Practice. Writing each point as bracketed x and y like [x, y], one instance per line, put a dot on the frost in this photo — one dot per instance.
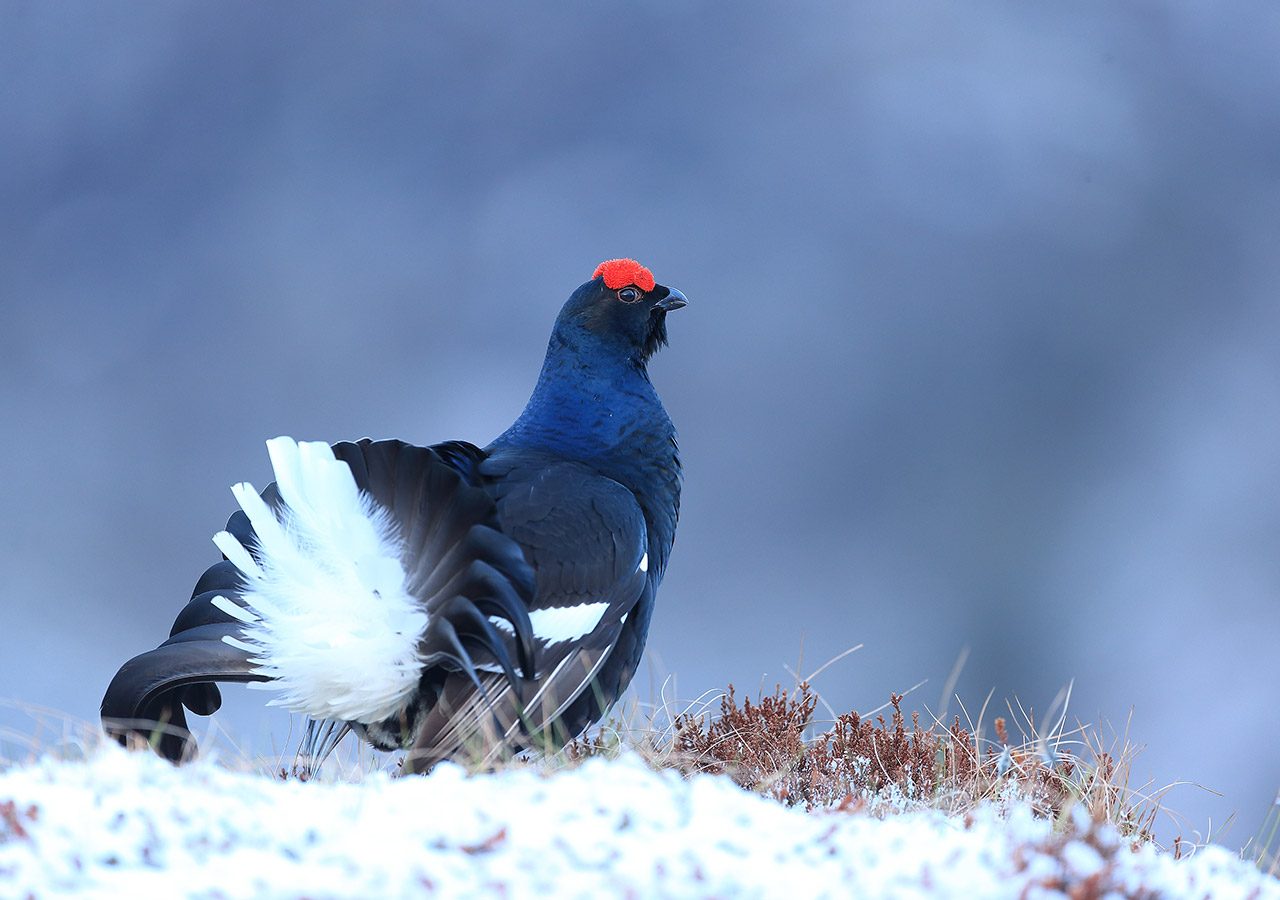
[122, 824]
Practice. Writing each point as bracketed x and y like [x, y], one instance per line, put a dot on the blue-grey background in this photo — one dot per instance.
[983, 348]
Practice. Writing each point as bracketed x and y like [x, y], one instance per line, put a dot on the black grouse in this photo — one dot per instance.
[444, 597]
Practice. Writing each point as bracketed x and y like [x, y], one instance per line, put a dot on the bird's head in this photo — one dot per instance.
[621, 311]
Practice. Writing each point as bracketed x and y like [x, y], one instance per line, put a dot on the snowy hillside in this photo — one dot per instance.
[128, 824]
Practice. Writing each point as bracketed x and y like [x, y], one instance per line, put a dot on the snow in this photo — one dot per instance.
[120, 823]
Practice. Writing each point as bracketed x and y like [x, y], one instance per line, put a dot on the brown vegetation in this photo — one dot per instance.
[878, 765]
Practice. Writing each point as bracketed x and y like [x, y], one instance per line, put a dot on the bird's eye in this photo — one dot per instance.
[629, 294]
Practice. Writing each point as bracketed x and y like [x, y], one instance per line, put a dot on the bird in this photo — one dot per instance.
[445, 599]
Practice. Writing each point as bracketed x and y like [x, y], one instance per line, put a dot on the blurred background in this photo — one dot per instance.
[983, 350]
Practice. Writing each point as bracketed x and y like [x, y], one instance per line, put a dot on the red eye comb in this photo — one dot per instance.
[618, 273]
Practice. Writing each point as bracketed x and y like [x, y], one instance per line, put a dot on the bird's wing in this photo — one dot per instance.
[585, 536]
[471, 582]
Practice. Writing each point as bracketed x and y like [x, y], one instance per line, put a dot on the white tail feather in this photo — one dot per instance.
[328, 619]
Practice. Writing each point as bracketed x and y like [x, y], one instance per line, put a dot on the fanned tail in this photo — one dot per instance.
[355, 584]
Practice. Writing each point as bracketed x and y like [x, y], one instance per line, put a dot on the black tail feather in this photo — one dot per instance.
[200, 611]
[145, 700]
[221, 576]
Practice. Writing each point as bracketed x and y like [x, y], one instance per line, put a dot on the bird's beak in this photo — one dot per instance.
[673, 300]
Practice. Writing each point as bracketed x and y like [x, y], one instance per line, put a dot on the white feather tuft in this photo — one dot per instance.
[328, 618]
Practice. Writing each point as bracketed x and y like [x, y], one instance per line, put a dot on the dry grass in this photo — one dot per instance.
[1264, 849]
[772, 745]
[876, 766]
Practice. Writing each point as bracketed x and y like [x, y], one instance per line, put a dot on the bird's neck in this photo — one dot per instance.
[603, 411]
[591, 406]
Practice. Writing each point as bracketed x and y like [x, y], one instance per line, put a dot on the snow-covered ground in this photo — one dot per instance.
[124, 824]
